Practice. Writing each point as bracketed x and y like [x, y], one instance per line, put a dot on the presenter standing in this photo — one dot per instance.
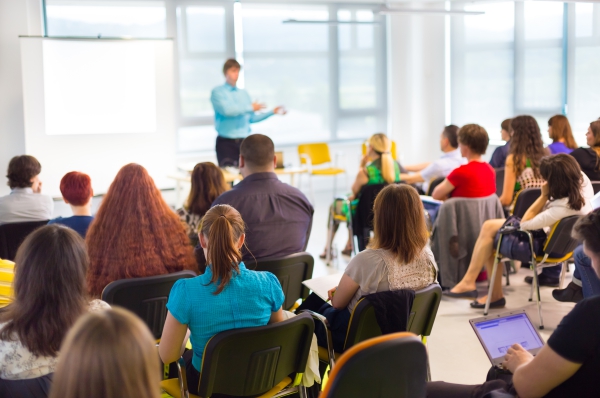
[234, 111]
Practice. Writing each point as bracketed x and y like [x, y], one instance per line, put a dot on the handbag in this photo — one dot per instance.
[515, 245]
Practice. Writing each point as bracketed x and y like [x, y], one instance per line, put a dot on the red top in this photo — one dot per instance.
[473, 180]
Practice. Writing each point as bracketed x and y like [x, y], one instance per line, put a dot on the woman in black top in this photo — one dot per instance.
[589, 158]
[569, 364]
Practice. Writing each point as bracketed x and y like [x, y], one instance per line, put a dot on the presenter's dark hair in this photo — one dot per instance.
[258, 150]
[21, 169]
[475, 137]
[231, 63]
[451, 132]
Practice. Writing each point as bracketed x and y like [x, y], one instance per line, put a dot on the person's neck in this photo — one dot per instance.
[561, 140]
[85, 210]
[245, 172]
[474, 158]
[448, 149]
[232, 84]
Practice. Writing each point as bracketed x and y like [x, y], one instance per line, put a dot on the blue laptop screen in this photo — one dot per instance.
[499, 334]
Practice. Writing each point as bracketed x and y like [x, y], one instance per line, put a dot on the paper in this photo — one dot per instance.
[320, 286]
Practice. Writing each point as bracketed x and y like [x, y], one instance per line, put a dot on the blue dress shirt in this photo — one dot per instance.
[233, 111]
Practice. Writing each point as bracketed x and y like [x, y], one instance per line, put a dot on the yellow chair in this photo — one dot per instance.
[394, 153]
[317, 154]
[6, 280]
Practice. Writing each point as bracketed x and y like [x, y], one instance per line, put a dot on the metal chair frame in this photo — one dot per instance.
[331, 226]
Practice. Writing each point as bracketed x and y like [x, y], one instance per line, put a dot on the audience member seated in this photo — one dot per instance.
[522, 168]
[585, 282]
[135, 233]
[50, 294]
[398, 257]
[376, 167]
[498, 159]
[567, 366]
[451, 159]
[476, 179]
[227, 296]
[278, 216]
[568, 192]
[76, 189]
[111, 354]
[207, 184]
[589, 158]
[25, 201]
[559, 131]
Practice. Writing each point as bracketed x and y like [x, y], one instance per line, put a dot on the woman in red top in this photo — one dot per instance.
[477, 178]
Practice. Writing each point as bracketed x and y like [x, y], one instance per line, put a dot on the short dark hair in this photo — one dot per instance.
[564, 179]
[475, 137]
[587, 229]
[231, 63]
[258, 150]
[505, 125]
[451, 132]
[21, 170]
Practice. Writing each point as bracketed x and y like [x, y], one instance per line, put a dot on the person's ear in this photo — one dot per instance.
[66, 201]
[202, 239]
[241, 241]
[275, 161]
[242, 162]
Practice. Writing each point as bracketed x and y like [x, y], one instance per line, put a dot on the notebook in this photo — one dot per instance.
[500, 331]
[320, 286]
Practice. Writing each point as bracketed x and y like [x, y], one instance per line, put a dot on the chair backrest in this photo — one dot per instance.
[13, 234]
[38, 387]
[394, 153]
[362, 221]
[363, 322]
[499, 180]
[290, 271]
[318, 153]
[250, 361]
[596, 186]
[390, 366]
[525, 199]
[146, 297]
[433, 184]
[560, 242]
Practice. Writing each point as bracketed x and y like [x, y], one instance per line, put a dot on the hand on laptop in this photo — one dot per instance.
[516, 356]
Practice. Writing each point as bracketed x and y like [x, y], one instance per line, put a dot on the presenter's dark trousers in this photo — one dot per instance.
[228, 151]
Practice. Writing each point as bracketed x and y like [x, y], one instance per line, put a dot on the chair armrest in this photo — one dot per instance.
[323, 320]
[509, 229]
[308, 161]
[182, 378]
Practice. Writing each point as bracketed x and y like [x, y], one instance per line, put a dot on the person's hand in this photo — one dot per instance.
[36, 185]
[279, 110]
[257, 106]
[330, 293]
[351, 197]
[545, 190]
[515, 357]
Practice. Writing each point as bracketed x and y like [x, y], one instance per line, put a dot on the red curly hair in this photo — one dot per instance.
[135, 233]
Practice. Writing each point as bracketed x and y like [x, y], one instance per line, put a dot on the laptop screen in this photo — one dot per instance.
[497, 335]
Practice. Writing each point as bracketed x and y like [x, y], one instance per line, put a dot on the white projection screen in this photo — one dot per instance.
[94, 105]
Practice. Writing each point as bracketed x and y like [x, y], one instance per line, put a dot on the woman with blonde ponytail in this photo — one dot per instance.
[376, 167]
[218, 300]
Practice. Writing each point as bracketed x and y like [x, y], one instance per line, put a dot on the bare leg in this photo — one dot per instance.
[497, 293]
[482, 253]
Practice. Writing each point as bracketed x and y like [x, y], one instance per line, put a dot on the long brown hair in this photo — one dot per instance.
[561, 129]
[108, 354]
[526, 144]
[564, 179]
[595, 127]
[135, 233]
[222, 225]
[207, 184]
[49, 289]
[399, 222]
[382, 145]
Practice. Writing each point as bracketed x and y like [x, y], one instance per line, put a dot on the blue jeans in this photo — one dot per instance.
[590, 283]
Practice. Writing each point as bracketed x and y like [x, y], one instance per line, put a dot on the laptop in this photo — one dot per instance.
[279, 156]
[497, 333]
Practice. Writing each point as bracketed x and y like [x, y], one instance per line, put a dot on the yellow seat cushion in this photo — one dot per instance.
[324, 356]
[330, 171]
[171, 386]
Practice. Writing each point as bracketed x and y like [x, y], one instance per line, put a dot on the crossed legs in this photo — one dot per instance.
[483, 255]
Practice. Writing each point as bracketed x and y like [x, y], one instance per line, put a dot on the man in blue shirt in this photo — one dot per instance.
[234, 111]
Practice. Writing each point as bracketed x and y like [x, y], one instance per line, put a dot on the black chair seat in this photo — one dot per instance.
[13, 234]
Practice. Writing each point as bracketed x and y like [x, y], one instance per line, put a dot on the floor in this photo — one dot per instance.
[455, 353]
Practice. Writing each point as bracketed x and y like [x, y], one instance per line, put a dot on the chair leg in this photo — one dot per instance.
[329, 237]
[532, 287]
[302, 391]
[563, 272]
[335, 185]
[536, 284]
[310, 187]
[507, 268]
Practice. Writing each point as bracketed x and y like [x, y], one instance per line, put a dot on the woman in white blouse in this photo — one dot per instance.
[398, 257]
[49, 295]
[567, 192]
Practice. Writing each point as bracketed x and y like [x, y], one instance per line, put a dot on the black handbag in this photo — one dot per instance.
[515, 245]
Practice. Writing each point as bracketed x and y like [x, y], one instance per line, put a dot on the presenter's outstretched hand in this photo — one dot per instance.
[257, 106]
[280, 110]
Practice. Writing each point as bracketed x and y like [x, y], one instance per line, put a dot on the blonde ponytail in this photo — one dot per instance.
[383, 146]
[223, 226]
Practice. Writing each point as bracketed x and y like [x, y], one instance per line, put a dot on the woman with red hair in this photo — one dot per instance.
[76, 189]
[135, 233]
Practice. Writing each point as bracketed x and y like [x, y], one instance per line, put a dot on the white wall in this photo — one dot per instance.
[17, 17]
[416, 83]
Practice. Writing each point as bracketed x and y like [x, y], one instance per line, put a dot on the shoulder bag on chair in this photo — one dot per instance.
[516, 245]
